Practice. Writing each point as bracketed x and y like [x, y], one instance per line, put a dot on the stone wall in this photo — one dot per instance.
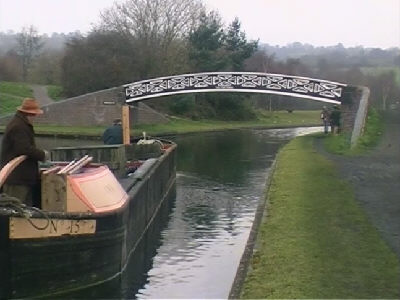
[354, 108]
[98, 108]
[349, 106]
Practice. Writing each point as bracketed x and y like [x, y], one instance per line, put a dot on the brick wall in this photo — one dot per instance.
[98, 108]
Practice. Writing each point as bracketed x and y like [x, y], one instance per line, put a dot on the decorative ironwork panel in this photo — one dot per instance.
[235, 82]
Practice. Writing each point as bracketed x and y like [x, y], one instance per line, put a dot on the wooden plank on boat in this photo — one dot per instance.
[22, 228]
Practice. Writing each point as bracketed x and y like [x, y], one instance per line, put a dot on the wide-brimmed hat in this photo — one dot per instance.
[30, 106]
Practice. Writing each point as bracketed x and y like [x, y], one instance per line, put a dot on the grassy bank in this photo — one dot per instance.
[316, 241]
[264, 119]
[178, 125]
[12, 94]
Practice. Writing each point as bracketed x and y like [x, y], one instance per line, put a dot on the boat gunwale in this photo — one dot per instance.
[39, 213]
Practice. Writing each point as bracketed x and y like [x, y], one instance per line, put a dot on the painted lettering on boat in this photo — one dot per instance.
[22, 228]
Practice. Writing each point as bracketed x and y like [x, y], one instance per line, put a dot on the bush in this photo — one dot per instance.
[182, 105]
[232, 107]
[55, 92]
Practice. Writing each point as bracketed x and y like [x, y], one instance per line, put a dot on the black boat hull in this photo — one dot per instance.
[57, 266]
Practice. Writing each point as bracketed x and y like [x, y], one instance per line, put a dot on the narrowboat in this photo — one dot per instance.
[96, 204]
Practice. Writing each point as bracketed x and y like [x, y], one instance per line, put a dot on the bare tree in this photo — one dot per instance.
[156, 28]
[384, 88]
[46, 69]
[163, 20]
[29, 45]
[10, 66]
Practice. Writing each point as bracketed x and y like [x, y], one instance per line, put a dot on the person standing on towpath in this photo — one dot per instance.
[325, 116]
[335, 119]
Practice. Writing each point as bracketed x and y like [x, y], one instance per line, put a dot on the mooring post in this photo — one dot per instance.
[126, 136]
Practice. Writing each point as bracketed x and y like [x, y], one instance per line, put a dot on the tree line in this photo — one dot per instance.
[141, 39]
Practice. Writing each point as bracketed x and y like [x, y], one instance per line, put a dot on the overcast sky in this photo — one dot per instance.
[369, 23]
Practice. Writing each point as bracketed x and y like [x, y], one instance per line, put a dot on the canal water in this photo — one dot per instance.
[196, 251]
[220, 181]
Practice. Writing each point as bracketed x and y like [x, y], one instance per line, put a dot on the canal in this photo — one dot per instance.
[195, 250]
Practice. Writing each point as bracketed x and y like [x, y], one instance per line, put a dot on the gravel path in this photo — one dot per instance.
[376, 180]
[40, 94]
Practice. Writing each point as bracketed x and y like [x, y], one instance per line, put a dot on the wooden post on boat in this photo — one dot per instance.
[125, 125]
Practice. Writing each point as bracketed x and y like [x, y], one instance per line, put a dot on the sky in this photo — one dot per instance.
[368, 23]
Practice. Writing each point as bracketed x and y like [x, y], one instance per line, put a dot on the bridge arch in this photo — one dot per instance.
[354, 100]
[247, 82]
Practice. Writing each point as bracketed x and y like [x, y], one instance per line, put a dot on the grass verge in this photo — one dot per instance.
[316, 241]
[16, 89]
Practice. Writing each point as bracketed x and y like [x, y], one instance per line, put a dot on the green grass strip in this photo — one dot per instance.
[267, 119]
[11, 95]
[16, 89]
[315, 241]
[180, 125]
[9, 103]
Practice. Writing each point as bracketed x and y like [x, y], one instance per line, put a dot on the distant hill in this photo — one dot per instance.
[55, 41]
[336, 55]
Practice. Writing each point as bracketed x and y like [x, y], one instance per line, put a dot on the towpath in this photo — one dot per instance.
[41, 95]
[375, 178]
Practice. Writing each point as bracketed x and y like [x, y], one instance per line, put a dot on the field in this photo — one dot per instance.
[11, 95]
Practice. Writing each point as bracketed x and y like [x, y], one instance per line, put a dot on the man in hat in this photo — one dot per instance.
[19, 140]
[113, 134]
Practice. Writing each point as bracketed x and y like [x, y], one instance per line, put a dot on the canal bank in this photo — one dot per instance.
[178, 126]
[331, 224]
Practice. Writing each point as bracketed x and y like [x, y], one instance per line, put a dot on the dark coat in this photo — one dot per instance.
[113, 135]
[335, 117]
[19, 140]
